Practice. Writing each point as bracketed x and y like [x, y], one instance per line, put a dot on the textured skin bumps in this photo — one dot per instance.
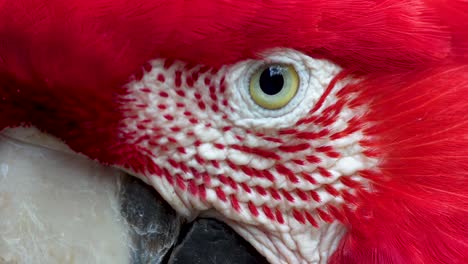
[284, 175]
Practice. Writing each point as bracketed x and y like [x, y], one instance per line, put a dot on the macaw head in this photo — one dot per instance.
[323, 131]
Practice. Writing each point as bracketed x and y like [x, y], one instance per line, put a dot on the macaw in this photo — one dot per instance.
[320, 131]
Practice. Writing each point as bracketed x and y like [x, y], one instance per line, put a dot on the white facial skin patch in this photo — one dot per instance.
[281, 178]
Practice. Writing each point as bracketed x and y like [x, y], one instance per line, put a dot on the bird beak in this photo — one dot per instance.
[56, 201]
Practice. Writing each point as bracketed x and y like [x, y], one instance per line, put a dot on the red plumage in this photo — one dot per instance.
[98, 44]
[63, 62]
[417, 212]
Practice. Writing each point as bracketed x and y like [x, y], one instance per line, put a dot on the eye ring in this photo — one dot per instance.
[243, 110]
[273, 86]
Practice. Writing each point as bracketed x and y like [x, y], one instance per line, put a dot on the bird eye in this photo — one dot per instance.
[274, 86]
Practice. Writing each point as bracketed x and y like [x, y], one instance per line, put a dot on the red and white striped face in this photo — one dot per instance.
[280, 171]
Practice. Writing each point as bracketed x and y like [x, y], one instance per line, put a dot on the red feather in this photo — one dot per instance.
[417, 211]
[89, 48]
[62, 64]
[96, 44]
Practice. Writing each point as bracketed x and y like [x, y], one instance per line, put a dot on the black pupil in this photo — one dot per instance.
[271, 80]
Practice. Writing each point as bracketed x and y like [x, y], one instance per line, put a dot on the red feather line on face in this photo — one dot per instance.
[417, 126]
[417, 212]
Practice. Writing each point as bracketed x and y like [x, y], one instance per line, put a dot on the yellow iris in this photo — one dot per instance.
[274, 86]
